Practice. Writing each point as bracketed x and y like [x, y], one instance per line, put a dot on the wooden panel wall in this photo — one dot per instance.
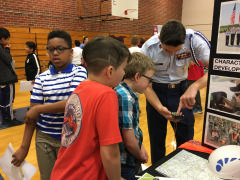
[19, 36]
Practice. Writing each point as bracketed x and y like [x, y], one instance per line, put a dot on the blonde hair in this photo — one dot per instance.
[139, 63]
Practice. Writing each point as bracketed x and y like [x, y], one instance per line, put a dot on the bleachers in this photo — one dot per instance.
[21, 35]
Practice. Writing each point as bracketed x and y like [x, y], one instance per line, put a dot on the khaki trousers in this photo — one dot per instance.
[47, 149]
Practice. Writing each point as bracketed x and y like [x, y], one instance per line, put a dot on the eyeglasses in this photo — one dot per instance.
[58, 49]
[237, 94]
[150, 79]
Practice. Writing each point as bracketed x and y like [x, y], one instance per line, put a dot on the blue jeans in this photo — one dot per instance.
[157, 124]
[127, 173]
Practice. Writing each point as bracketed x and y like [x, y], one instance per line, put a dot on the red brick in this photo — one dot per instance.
[64, 15]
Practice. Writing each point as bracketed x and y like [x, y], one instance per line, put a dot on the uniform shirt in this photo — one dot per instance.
[233, 30]
[227, 33]
[238, 30]
[134, 49]
[53, 86]
[128, 119]
[173, 69]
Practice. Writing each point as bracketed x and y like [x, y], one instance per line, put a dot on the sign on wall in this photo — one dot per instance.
[222, 112]
[156, 29]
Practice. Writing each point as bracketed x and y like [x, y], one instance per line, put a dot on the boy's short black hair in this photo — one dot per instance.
[103, 51]
[173, 33]
[77, 43]
[142, 40]
[31, 45]
[61, 34]
[135, 40]
[4, 33]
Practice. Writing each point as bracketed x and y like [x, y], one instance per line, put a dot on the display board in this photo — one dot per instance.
[222, 111]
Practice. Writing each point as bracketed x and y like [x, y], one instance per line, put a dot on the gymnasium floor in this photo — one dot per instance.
[15, 134]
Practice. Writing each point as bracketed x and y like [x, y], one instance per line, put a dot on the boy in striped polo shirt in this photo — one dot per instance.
[54, 85]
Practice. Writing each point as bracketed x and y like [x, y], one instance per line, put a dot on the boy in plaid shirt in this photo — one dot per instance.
[138, 77]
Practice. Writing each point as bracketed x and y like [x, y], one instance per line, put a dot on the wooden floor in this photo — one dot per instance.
[14, 134]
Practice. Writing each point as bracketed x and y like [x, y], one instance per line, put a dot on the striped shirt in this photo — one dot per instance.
[128, 119]
[53, 86]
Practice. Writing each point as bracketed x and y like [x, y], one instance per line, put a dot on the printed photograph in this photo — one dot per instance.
[224, 94]
[229, 28]
[221, 131]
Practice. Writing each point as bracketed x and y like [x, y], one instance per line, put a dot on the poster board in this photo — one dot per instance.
[222, 111]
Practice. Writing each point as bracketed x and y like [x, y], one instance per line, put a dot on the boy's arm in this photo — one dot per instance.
[131, 144]
[5, 55]
[36, 109]
[187, 100]
[30, 122]
[22, 152]
[111, 161]
[143, 150]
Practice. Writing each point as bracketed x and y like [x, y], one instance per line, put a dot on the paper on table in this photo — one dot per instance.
[26, 86]
[147, 176]
[13, 172]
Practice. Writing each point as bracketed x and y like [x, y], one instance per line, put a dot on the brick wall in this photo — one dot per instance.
[64, 14]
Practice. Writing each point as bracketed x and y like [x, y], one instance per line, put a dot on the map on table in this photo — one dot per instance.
[185, 165]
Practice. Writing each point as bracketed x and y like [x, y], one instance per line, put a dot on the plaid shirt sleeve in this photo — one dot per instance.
[125, 110]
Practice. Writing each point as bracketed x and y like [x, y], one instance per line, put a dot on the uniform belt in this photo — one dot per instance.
[171, 85]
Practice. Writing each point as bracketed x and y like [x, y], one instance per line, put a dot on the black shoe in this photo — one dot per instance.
[5, 121]
[15, 122]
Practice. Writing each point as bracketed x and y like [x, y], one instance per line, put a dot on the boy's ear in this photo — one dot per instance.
[71, 53]
[137, 76]
[71, 50]
[109, 71]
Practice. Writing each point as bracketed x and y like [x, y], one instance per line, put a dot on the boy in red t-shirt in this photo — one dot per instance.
[90, 134]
